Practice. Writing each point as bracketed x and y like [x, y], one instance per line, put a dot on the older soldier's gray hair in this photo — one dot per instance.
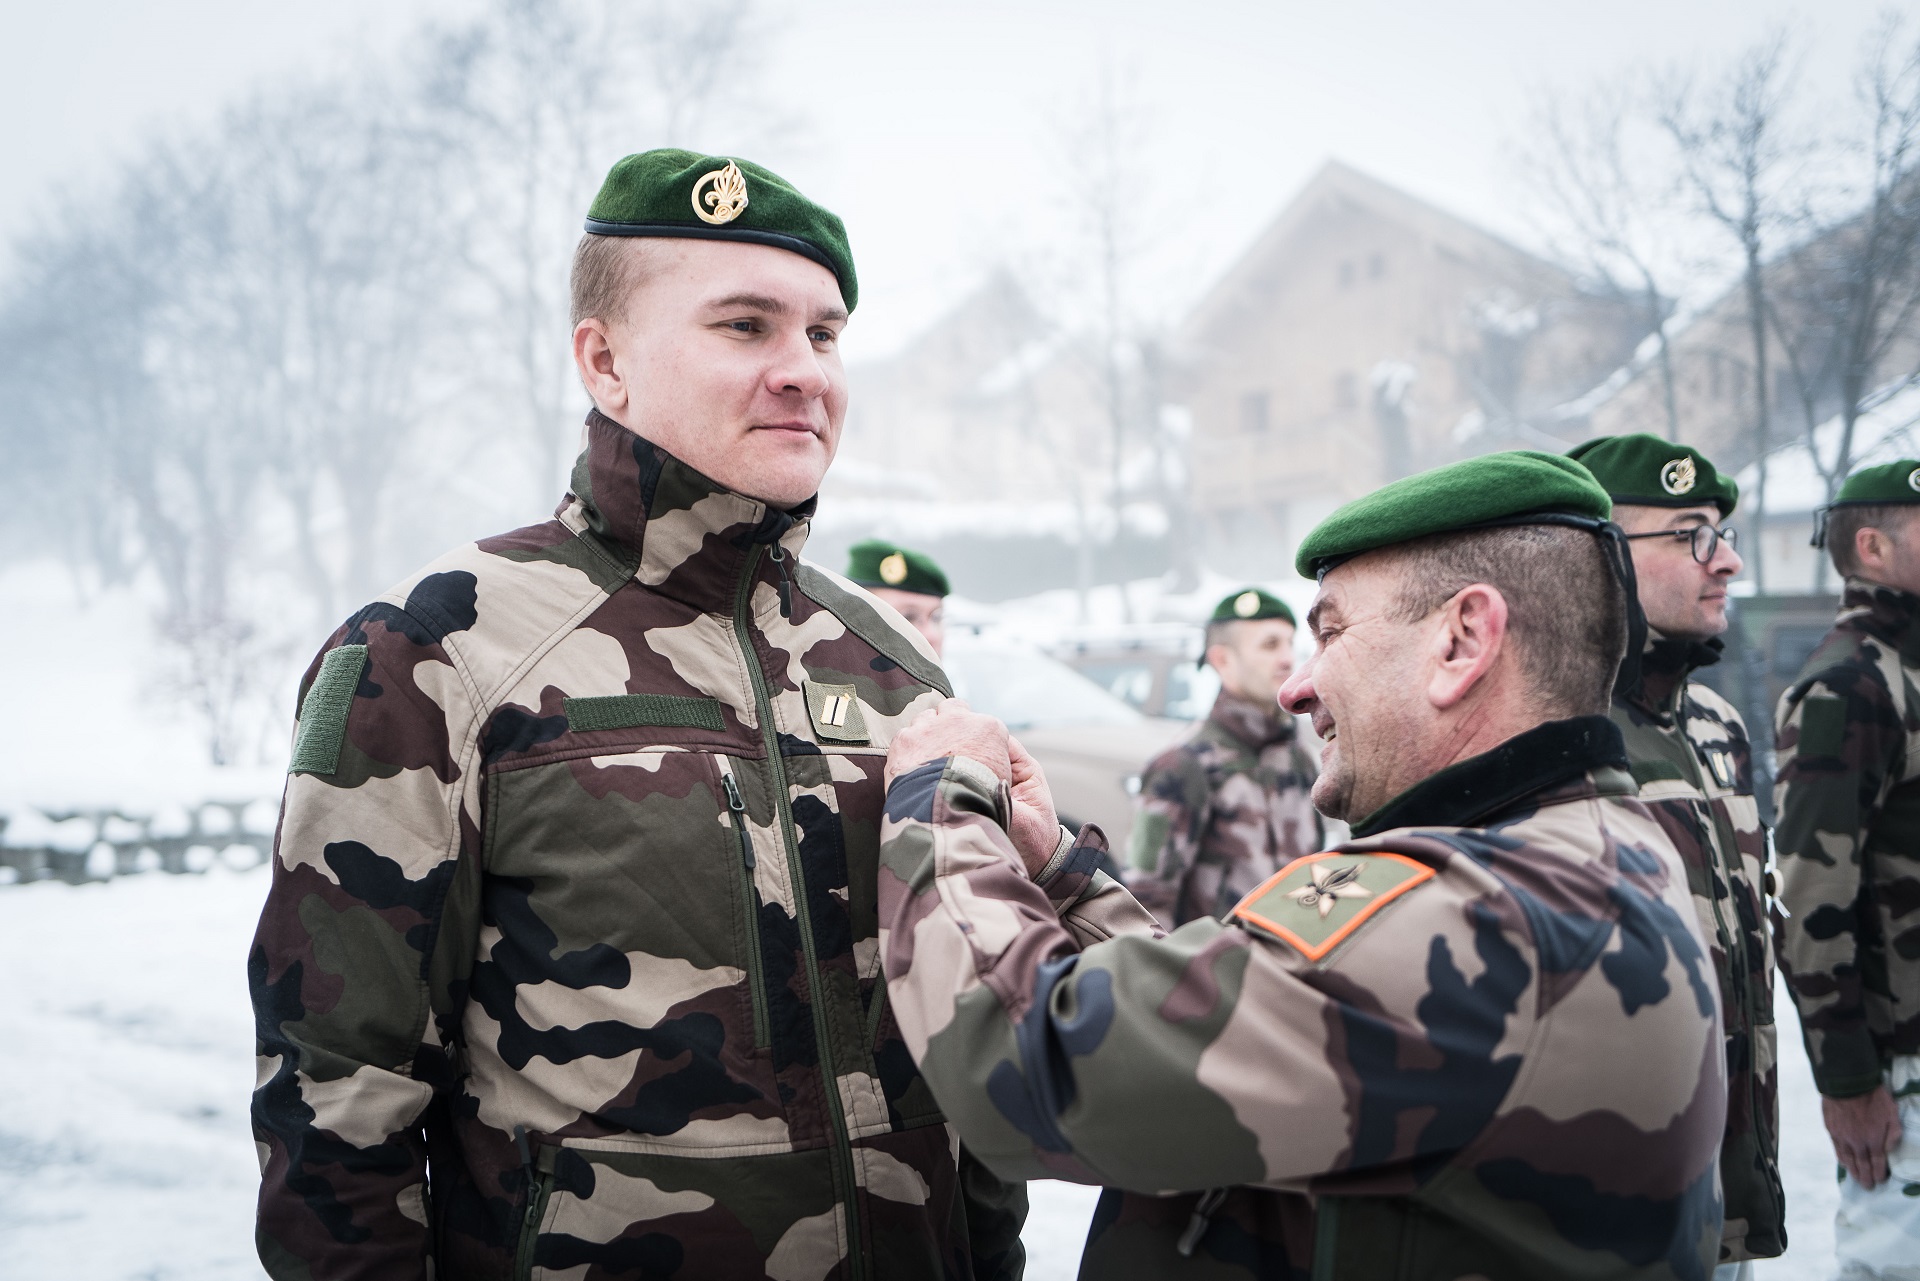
[1566, 611]
[1895, 520]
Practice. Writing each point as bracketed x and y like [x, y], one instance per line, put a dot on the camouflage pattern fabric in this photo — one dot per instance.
[1847, 797]
[573, 904]
[1689, 753]
[1401, 1058]
[1221, 811]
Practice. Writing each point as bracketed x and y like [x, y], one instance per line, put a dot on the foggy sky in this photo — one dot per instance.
[933, 127]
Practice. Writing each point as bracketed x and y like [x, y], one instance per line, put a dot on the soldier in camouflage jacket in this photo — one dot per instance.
[1227, 807]
[1400, 1058]
[1690, 756]
[573, 898]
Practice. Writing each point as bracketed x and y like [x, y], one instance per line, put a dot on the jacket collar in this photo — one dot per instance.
[678, 532]
[1885, 613]
[1664, 668]
[1257, 725]
[1524, 768]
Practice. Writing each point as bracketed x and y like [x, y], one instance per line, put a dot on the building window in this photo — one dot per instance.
[1346, 392]
[1376, 266]
[1253, 412]
[1346, 273]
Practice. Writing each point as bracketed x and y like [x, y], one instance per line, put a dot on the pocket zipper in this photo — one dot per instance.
[762, 1034]
[539, 1187]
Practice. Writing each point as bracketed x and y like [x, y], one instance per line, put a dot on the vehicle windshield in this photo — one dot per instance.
[1025, 688]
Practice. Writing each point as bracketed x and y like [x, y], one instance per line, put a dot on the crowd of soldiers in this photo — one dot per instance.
[645, 906]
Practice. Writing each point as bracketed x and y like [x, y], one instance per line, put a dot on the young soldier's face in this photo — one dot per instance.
[728, 359]
[1254, 658]
[1360, 688]
[928, 614]
[1680, 596]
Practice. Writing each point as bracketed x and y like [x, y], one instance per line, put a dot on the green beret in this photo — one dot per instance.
[1250, 604]
[1646, 471]
[875, 562]
[1494, 489]
[684, 194]
[1896, 482]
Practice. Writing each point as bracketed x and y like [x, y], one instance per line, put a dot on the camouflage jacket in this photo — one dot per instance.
[1689, 753]
[1221, 811]
[1401, 1058]
[573, 908]
[1847, 798]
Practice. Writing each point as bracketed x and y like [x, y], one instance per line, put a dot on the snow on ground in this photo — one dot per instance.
[128, 1058]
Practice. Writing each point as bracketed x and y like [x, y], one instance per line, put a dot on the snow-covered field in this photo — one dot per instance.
[126, 1059]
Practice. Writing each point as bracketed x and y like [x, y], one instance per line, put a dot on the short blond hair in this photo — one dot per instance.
[606, 272]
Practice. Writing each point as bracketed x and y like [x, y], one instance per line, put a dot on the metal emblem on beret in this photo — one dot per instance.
[1913, 480]
[1329, 886]
[727, 199]
[893, 570]
[1246, 604]
[1679, 476]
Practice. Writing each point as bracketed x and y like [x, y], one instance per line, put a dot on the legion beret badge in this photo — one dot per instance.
[893, 570]
[1247, 604]
[727, 199]
[1913, 480]
[1678, 477]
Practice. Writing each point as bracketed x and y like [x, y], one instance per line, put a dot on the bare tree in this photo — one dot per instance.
[1607, 211]
[1736, 152]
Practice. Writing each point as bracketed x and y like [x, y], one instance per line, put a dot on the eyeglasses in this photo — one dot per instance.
[1703, 540]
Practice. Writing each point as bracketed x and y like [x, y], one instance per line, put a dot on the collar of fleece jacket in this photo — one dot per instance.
[680, 532]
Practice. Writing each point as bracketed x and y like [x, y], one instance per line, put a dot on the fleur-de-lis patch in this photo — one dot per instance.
[728, 198]
[1328, 886]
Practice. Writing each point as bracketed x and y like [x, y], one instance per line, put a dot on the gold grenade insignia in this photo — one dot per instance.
[1678, 476]
[1913, 480]
[893, 570]
[1246, 604]
[727, 199]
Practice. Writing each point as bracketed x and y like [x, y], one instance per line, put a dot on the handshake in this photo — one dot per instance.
[954, 729]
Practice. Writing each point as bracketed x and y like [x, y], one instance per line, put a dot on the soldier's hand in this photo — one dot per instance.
[1864, 1129]
[950, 729]
[1034, 826]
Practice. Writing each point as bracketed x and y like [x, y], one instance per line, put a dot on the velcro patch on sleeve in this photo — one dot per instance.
[635, 711]
[1317, 902]
[1823, 726]
[836, 713]
[323, 713]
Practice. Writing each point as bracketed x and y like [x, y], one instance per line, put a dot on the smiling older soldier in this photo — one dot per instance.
[572, 906]
[1689, 753]
[1404, 1057]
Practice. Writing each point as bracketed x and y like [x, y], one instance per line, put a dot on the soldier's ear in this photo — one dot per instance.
[1467, 643]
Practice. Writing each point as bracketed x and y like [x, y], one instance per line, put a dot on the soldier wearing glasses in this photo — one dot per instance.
[1690, 755]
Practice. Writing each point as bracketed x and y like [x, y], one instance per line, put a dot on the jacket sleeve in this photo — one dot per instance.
[374, 828]
[1166, 833]
[1199, 1059]
[1839, 737]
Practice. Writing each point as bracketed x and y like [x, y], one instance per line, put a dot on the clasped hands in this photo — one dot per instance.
[954, 729]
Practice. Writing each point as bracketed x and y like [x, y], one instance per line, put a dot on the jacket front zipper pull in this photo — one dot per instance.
[785, 585]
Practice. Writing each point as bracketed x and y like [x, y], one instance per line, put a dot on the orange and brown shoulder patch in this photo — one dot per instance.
[1316, 902]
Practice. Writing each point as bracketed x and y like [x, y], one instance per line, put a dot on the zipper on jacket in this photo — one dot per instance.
[1723, 851]
[756, 981]
[539, 1188]
[838, 1143]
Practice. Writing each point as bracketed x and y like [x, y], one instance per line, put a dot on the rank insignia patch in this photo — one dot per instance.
[836, 713]
[1315, 903]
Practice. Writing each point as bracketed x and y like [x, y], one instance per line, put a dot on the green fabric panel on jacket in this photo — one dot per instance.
[1650, 771]
[1149, 836]
[1823, 726]
[323, 713]
[836, 713]
[633, 711]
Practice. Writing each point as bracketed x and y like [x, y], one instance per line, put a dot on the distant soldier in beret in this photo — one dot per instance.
[909, 581]
[572, 912]
[1691, 757]
[1481, 1039]
[1847, 801]
[1228, 806]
